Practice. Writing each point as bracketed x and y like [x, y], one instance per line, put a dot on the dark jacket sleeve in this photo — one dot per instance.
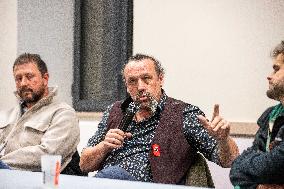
[258, 167]
[255, 166]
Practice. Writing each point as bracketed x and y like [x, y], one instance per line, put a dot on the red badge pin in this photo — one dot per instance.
[156, 150]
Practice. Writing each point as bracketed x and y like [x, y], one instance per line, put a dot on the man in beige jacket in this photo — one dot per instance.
[39, 124]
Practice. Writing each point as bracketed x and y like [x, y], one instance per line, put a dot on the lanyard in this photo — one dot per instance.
[277, 110]
[274, 114]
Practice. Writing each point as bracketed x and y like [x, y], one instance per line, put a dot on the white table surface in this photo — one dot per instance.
[14, 179]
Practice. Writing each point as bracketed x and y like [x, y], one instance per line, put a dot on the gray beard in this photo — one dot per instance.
[151, 106]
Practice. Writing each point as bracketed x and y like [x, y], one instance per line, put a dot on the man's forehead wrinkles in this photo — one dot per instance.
[138, 75]
[137, 70]
[23, 72]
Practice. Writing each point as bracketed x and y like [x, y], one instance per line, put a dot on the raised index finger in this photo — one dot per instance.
[216, 111]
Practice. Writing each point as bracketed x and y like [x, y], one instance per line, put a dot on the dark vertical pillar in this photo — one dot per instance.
[103, 43]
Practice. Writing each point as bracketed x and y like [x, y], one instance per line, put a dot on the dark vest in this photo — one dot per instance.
[176, 155]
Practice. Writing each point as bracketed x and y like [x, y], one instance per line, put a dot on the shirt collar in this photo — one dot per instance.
[162, 101]
[23, 107]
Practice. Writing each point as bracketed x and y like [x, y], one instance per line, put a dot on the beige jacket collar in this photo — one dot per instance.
[52, 93]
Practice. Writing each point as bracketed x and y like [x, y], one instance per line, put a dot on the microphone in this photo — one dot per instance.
[128, 116]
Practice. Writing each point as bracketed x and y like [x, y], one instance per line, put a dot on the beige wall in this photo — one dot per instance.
[46, 27]
[214, 51]
[8, 50]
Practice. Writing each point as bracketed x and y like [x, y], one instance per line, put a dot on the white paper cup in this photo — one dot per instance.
[50, 166]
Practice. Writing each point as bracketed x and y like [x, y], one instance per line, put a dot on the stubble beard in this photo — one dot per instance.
[35, 95]
[276, 92]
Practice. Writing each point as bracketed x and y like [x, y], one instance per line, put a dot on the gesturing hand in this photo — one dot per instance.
[218, 127]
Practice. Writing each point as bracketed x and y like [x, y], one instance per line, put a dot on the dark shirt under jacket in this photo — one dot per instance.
[256, 166]
[134, 155]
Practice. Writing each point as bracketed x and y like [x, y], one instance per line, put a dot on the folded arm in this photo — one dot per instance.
[257, 167]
